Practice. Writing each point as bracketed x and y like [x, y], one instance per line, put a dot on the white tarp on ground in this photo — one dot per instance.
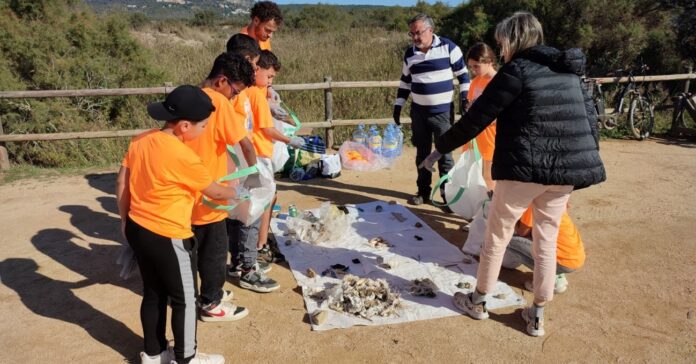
[432, 257]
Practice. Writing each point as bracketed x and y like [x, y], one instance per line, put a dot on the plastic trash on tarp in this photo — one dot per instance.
[329, 224]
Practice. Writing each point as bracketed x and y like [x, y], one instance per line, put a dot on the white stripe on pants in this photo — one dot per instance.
[510, 200]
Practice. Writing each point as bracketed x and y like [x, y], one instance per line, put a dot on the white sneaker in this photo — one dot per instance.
[201, 358]
[560, 286]
[224, 311]
[464, 303]
[561, 283]
[164, 357]
[535, 325]
[227, 296]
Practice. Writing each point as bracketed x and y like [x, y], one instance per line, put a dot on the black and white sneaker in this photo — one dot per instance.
[257, 281]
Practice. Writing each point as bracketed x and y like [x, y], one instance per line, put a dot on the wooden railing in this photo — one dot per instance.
[328, 123]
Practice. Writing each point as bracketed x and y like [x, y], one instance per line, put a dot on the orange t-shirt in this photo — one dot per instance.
[165, 176]
[570, 251]
[225, 126]
[264, 45]
[486, 139]
[263, 119]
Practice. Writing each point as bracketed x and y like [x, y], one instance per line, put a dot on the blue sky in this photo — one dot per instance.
[365, 2]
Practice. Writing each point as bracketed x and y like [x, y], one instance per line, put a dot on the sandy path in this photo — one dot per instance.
[61, 299]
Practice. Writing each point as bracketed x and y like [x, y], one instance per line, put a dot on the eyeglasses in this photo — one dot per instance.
[418, 33]
[235, 90]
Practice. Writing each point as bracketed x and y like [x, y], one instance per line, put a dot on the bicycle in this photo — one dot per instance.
[684, 101]
[641, 111]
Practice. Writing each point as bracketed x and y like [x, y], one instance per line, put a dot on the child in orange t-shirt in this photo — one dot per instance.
[570, 252]
[229, 75]
[480, 60]
[155, 191]
[264, 134]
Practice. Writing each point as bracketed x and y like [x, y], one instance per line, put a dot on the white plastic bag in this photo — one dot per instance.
[477, 231]
[465, 188]
[280, 156]
[358, 157]
[331, 165]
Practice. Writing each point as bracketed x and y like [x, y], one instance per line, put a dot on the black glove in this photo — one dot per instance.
[463, 103]
[397, 115]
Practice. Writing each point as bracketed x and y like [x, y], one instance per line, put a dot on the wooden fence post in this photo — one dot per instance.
[4, 157]
[328, 112]
[688, 81]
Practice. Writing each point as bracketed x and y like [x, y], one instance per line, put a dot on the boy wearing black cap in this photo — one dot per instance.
[155, 191]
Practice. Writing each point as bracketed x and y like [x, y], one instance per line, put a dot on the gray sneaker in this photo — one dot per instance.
[257, 281]
[464, 302]
[236, 272]
[535, 324]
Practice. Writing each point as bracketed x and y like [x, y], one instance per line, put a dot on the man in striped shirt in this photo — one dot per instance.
[429, 68]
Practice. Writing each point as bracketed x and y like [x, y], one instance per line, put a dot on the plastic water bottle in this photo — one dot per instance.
[375, 141]
[390, 144]
[359, 135]
[400, 137]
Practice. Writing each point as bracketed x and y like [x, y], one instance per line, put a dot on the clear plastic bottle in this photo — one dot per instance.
[400, 137]
[375, 141]
[359, 135]
[390, 143]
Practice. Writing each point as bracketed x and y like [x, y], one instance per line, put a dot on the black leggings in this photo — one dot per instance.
[168, 268]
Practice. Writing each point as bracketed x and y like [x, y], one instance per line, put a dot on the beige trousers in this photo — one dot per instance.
[510, 200]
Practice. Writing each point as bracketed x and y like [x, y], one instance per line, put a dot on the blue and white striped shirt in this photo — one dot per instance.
[428, 76]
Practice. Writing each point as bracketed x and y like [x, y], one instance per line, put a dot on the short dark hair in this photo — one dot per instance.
[268, 60]
[481, 52]
[243, 45]
[235, 67]
[267, 10]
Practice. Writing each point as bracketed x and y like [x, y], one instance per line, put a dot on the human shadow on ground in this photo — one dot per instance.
[105, 182]
[55, 299]
[95, 224]
[96, 262]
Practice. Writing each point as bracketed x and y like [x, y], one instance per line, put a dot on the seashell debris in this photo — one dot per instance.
[363, 297]
[379, 243]
[423, 287]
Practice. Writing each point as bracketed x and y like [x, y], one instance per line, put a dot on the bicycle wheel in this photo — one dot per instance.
[640, 118]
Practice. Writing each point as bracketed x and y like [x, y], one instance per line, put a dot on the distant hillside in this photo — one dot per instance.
[168, 9]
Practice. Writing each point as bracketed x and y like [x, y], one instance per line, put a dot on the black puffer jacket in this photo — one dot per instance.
[547, 128]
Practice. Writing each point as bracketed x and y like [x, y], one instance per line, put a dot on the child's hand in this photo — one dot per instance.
[297, 142]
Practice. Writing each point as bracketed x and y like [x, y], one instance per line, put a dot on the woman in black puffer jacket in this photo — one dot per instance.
[546, 145]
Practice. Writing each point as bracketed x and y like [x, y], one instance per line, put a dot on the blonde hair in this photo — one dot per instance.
[518, 32]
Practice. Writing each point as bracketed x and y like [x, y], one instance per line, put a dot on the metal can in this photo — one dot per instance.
[292, 211]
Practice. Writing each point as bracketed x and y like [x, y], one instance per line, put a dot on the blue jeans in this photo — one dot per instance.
[424, 126]
[519, 252]
[242, 243]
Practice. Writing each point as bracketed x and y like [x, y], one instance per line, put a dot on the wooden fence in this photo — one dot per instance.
[328, 123]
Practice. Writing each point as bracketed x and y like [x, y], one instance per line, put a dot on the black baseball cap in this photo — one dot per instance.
[185, 102]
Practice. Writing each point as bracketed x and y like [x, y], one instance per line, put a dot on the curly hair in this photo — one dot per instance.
[233, 66]
[267, 10]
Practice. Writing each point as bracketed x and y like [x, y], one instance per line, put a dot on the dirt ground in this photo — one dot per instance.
[61, 299]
